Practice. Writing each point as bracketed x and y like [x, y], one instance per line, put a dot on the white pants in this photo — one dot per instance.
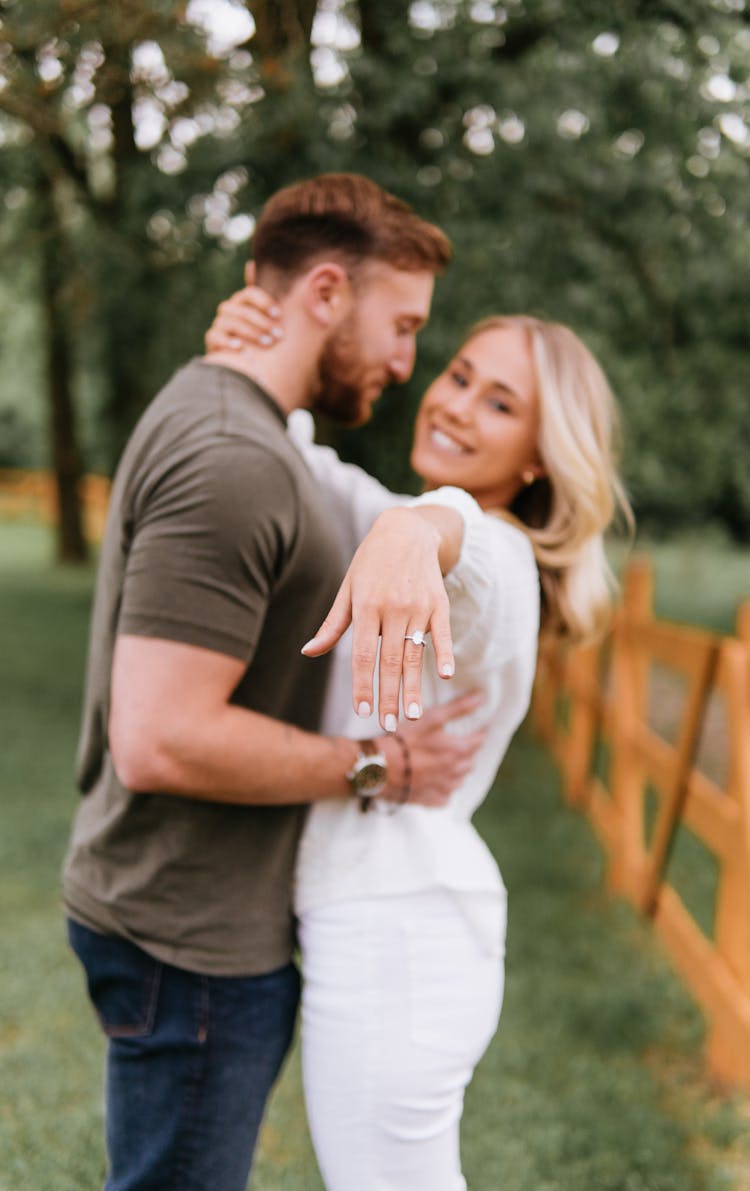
[400, 1000]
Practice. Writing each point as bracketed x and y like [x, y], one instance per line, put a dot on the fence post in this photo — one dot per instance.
[582, 675]
[729, 1035]
[544, 699]
[630, 700]
[733, 909]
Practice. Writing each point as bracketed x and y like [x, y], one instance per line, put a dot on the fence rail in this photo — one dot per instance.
[32, 495]
[649, 762]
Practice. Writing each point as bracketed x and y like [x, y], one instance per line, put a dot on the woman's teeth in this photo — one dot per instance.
[446, 443]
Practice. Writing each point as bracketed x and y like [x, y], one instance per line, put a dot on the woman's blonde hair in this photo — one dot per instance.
[566, 512]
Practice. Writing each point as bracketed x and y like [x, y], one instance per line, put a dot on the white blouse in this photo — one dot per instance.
[494, 602]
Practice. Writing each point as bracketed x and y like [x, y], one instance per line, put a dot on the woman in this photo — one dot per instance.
[402, 915]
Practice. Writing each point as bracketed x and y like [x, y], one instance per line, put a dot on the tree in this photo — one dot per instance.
[589, 166]
[80, 81]
[592, 168]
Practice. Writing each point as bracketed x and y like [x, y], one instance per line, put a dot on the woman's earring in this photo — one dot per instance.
[528, 476]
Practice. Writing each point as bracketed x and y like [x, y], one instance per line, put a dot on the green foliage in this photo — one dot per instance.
[591, 166]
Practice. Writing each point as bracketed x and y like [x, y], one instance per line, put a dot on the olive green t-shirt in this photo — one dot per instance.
[216, 537]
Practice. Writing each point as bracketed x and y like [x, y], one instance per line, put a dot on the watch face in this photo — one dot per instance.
[370, 778]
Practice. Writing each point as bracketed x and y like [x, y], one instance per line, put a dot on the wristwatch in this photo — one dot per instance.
[368, 775]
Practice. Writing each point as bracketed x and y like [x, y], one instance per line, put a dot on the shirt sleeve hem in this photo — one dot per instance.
[186, 633]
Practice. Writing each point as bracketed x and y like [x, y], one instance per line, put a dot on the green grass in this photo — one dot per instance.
[594, 1082]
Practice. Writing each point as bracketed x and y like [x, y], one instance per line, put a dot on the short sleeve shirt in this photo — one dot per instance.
[218, 537]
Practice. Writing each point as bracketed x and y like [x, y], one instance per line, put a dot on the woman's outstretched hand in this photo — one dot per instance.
[394, 591]
[439, 760]
[248, 317]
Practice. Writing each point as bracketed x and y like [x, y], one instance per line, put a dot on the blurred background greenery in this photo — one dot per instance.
[590, 162]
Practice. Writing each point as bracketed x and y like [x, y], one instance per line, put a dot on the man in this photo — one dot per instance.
[198, 739]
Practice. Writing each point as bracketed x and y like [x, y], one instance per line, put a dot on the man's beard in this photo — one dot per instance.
[342, 372]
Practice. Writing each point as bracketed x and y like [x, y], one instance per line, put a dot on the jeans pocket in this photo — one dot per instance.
[123, 981]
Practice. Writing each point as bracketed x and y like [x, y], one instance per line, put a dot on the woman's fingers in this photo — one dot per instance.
[238, 329]
[462, 705]
[395, 595]
[442, 641]
[413, 655]
[440, 762]
[250, 316]
[405, 625]
[415, 643]
[256, 296]
[258, 308]
[335, 624]
[365, 634]
[395, 664]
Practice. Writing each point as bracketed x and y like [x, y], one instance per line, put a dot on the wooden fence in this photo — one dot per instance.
[652, 735]
[32, 495]
[648, 761]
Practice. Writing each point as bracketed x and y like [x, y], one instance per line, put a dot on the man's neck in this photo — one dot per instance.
[284, 376]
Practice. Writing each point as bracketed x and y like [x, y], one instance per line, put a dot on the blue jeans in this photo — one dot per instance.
[191, 1061]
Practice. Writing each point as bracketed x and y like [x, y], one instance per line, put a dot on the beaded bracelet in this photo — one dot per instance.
[406, 784]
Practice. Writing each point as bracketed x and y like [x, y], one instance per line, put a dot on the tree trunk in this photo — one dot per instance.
[124, 318]
[282, 26]
[121, 253]
[376, 18]
[66, 456]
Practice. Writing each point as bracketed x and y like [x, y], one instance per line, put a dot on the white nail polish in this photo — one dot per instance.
[414, 711]
[265, 340]
[447, 669]
[277, 332]
[364, 710]
[390, 723]
[309, 645]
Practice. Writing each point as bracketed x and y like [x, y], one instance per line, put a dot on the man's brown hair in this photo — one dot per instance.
[345, 217]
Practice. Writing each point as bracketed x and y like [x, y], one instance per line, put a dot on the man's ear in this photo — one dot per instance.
[327, 293]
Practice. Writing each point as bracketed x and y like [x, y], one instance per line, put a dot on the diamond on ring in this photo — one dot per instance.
[417, 637]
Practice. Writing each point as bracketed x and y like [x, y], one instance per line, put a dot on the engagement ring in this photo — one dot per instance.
[418, 637]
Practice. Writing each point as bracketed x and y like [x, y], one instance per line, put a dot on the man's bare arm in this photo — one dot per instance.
[174, 730]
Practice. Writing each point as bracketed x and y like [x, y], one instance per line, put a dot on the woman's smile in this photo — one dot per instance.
[446, 442]
[478, 424]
